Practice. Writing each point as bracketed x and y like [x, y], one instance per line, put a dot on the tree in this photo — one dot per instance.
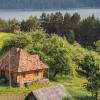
[52, 50]
[57, 55]
[13, 25]
[71, 36]
[3, 25]
[52, 23]
[45, 19]
[58, 22]
[23, 26]
[31, 24]
[97, 46]
[88, 31]
[75, 20]
[66, 23]
[91, 68]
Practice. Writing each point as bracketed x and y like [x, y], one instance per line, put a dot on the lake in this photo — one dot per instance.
[20, 15]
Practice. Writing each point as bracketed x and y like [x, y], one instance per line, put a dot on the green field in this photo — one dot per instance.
[73, 85]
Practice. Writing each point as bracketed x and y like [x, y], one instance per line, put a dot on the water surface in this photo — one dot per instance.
[20, 15]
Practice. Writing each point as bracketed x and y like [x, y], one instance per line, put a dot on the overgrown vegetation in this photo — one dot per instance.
[84, 31]
[56, 40]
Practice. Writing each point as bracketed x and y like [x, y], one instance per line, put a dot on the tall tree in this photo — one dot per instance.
[66, 23]
[91, 68]
[13, 25]
[31, 24]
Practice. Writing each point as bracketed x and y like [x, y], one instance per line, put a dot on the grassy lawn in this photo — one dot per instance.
[73, 85]
[4, 89]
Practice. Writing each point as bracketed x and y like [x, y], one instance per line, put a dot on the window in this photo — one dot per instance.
[0, 63]
[23, 75]
[2, 74]
[36, 73]
[12, 76]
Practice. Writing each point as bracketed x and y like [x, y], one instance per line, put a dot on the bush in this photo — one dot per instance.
[17, 41]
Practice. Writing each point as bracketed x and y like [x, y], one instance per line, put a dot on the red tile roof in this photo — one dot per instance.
[20, 61]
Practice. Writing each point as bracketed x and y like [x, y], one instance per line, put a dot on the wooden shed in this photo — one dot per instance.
[19, 67]
[50, 93]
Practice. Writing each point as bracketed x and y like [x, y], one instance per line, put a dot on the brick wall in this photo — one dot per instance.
[29, 76]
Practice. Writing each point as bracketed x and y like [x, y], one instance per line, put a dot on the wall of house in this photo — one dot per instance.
[13, 76]
[14, 60]
[29, 76]
[6, 76]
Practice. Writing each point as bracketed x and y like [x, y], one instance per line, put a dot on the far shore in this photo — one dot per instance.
[81, 8]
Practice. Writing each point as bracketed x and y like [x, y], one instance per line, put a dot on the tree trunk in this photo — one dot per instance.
[55, 74]
[92, 95]
[96, 96]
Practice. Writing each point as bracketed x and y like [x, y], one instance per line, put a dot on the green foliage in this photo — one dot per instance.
[88, 31]
[3, 25]
[54, 50]
[64, 26]
[57, 52]
[74, 21]
[71, 36]
[91, 68]
[18, 41]
[63, 58]
[31, 24]
[67, 98]
[3, 37]
[85, 31]
[97, 46]
[13, 26]
[52, 23]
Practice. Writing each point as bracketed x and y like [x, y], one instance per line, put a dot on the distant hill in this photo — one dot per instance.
[47, 4]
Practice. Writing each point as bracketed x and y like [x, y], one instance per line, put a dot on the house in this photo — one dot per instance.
[49, 93]
[19, 67]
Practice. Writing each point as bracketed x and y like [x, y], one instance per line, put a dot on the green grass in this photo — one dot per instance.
[5, 89]
[73, 85]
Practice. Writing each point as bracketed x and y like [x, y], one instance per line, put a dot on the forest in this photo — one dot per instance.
[68, 44]
[48, 4]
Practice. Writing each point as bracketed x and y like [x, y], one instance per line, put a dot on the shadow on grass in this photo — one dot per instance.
[84, 98]
[4, 85]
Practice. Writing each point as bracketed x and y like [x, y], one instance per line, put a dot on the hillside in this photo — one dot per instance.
[47, 4]
[71, 84]
[74, 83]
